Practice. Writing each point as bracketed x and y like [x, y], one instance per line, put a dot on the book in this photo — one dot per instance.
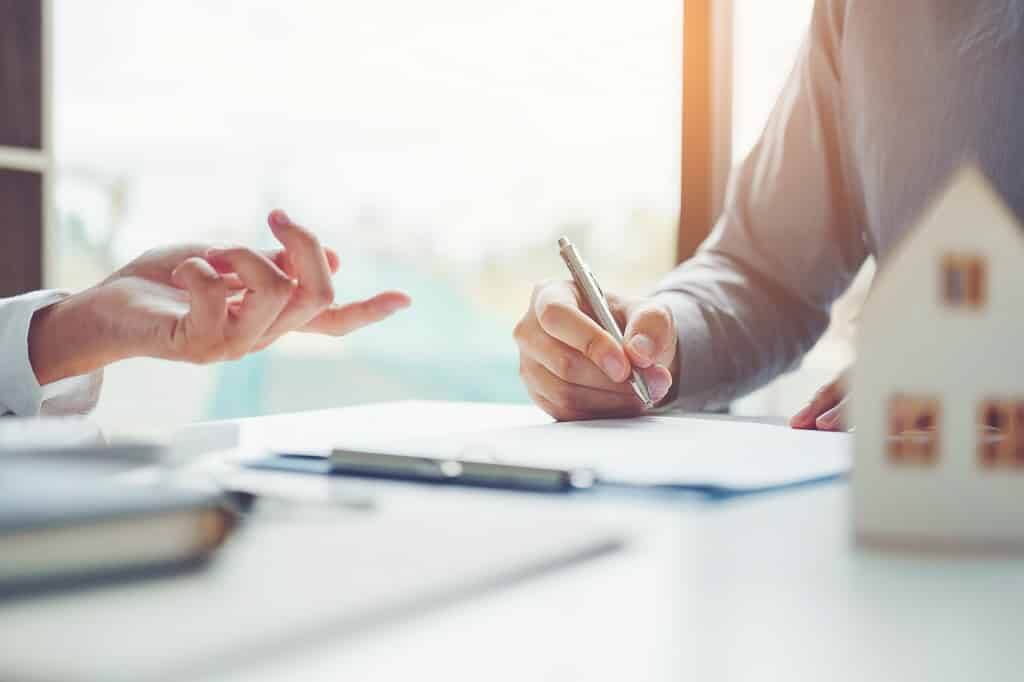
[69, 527]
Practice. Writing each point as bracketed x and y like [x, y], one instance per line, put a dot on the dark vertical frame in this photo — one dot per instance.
[22, 142]
[21, 213]
[21, 74]
[707, 119]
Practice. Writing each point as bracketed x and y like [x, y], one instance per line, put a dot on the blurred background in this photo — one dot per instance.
[440, 147]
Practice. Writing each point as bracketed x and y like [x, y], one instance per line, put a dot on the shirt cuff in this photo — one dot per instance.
[699, 384]
[20, 392]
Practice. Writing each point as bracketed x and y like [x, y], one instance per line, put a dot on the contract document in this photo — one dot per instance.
[714, 455]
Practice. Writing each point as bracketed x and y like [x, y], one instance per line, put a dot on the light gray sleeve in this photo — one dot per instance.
[757, 295]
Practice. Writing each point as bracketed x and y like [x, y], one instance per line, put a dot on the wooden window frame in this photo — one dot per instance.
[972, 272]
[1001, 446]
[913, 430]
[25, 30]
[706, 153]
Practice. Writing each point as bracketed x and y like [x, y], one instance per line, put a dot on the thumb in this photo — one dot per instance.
[650, 334]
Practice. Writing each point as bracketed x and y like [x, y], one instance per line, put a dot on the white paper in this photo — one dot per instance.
[668, 451]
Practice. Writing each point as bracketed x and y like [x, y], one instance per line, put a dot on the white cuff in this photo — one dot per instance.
[20, 392]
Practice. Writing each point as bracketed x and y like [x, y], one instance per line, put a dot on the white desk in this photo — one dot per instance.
[763, 587]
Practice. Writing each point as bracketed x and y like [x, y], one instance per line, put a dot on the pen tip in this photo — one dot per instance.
[563, 242]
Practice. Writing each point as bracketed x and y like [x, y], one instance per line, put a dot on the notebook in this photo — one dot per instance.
[63, 525]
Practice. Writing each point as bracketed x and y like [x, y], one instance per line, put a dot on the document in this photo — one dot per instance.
[715, 455]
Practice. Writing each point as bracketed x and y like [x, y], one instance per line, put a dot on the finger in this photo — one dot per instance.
[650, 335]
[281, 260]
[306, 262]
[561, 360]
[659, 381]
[207, 300]
[344, 319]
[268, 291]
[824, 400]
[833, 419]
[284, 261]
[305, 255]
[558, 311]
[577, 402]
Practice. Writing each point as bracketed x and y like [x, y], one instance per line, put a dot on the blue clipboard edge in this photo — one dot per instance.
[319, 465]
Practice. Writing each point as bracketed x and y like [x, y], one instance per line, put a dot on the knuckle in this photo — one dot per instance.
[200, 271]
[207, 278]
[595, 348]
[661, 316]
[653, 317]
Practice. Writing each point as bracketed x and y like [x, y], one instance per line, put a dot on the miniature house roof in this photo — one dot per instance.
[968, 218]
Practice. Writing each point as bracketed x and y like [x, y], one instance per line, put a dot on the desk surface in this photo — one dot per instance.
[762, 587]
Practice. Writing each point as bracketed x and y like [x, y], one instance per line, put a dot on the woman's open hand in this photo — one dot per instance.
[199, 303]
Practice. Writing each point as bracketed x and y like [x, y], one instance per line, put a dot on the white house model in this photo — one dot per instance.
[938, 388]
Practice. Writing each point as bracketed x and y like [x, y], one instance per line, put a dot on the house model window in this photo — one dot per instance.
[1001, 434]
[913, 433]
[964, 280]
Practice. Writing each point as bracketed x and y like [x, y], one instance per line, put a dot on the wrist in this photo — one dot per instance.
[65, 340]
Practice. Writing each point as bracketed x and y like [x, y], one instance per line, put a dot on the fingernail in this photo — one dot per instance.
[393, 306]
[659, 386]
[643, 346]
[280, 218]
[803, 413]
[613, 367]
[829, 419]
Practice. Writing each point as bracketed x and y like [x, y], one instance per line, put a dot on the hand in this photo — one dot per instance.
[201, 304]
[574, 369]
[825, 411]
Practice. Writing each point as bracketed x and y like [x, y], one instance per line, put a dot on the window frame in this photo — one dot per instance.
[706, 153]
[907, 443]
[1001, 450]
[970, 272]
[25, 26]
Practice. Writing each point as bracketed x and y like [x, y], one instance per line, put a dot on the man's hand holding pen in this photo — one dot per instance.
[574, 369]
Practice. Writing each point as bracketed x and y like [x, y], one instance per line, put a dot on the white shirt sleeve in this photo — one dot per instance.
[20, 392]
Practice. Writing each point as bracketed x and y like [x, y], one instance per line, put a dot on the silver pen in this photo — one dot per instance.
[591, 290]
